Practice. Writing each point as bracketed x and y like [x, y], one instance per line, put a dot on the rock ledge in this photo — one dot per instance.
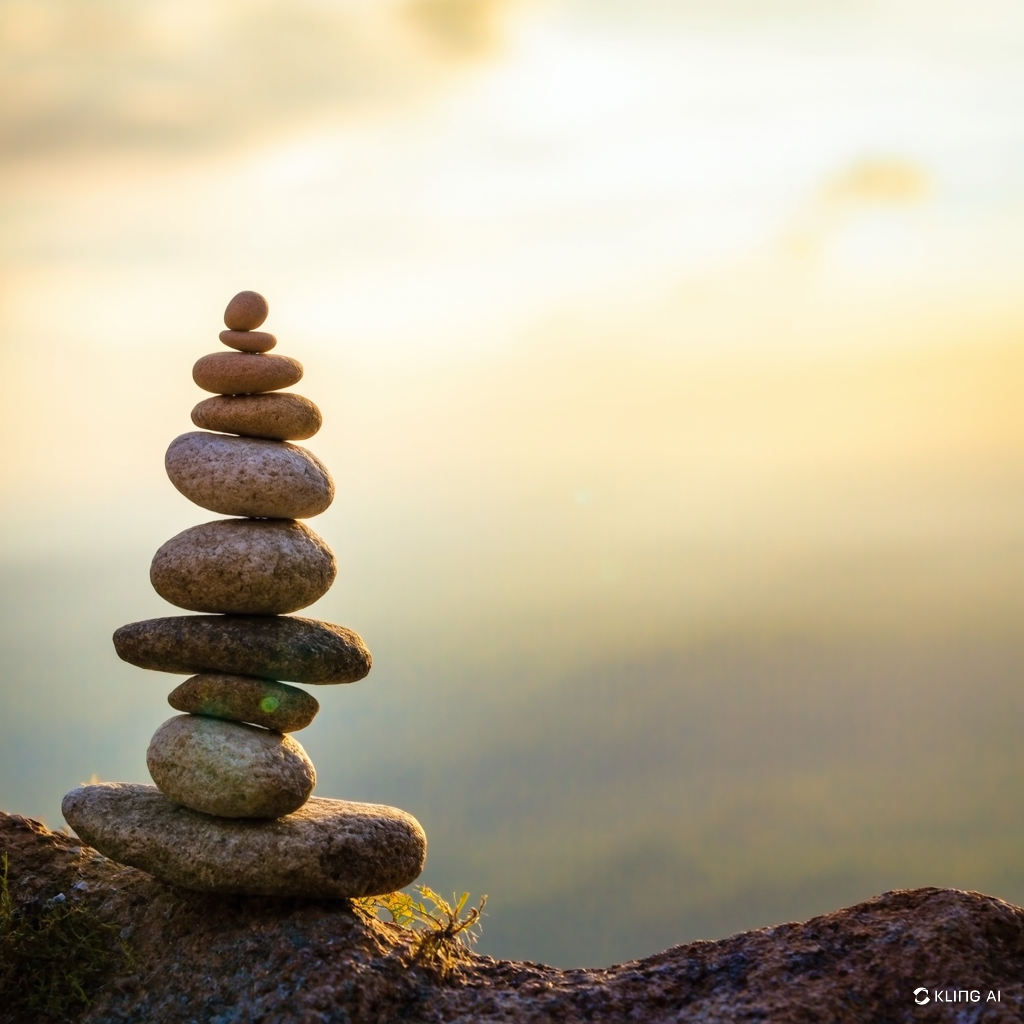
[297, 961]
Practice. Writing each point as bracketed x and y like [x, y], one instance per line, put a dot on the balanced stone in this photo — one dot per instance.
[265, 702]
[248, 476]
[245, 373]
[246, 311]
[248, 341]
[268, 646]
[247, 566]
[326, 849]
[229, 769]
[278, 417]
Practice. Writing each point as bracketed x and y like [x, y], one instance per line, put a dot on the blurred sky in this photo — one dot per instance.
[598, 297]
[435, 180]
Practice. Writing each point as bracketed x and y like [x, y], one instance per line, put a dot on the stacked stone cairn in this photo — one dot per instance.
[232, 809]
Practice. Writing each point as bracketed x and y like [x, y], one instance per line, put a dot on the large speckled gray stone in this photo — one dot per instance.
[325, 849]
[248, 476]
[229, 769]
[263, 702]
[268, 646]
[245, 566]
[245, 373]
[277, 417]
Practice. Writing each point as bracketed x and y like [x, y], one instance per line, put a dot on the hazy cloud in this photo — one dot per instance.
[869, 182]
[95, 74]
[877, 181]
[459, 27]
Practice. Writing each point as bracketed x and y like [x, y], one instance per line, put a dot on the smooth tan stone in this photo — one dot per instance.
[248, 341]
[326, 849]
[248, 476]
[245, 373]
[277, 417]
[228, 768]
[263, 702]
[244, 566]
[268, 646]
[246, 311]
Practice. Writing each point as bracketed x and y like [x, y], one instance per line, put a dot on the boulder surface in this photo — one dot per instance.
[199, 956]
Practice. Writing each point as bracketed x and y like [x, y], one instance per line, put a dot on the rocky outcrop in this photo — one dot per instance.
[220, 959]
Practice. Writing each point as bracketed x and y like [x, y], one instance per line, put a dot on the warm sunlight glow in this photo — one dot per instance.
[671, 357]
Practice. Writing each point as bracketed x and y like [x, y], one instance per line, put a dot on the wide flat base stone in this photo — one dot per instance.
[326, 849]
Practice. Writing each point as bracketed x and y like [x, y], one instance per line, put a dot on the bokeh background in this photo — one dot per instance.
[670, 354]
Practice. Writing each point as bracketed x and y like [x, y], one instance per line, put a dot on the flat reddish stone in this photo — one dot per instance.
[245, 373]
[248, 341]
[275, 416]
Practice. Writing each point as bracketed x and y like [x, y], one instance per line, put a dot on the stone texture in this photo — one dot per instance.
[228, 768]
[248, 341]
[247, 476]
[326, 849]
[271, 647]
[277, 417]
[245, 373]
[263, 702]
[207, 957]
[246, 566]
[246, 311]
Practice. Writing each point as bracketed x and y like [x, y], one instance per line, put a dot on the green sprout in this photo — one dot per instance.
[443, 936]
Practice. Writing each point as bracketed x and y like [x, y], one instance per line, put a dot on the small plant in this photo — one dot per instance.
[443, 934]
[52, 954]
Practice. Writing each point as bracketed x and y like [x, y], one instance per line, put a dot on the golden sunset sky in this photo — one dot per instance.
[583, 201]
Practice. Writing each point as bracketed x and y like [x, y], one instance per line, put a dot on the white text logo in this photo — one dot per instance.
[956, 995]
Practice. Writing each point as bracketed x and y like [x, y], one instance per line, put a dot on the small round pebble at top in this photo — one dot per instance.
[246, 311]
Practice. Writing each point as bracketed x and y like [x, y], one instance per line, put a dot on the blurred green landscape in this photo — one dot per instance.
[751, 653]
